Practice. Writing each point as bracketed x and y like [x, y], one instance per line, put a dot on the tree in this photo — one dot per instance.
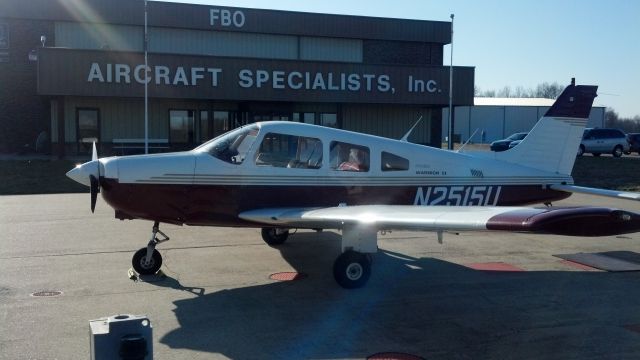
[628, 125]
[548, 91]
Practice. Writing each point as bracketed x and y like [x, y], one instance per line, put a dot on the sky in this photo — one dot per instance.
[519, 43]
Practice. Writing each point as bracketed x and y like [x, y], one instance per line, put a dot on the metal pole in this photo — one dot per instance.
[450, 142]
[146, 83]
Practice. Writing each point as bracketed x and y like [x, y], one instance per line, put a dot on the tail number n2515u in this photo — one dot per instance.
[458, 195]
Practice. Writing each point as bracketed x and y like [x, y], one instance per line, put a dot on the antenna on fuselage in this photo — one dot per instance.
[469, 139]
[405, 138]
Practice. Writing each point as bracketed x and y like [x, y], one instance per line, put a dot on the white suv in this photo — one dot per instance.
[599, 141]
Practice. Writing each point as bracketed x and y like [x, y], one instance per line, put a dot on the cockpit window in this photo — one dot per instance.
[290, 151]
[233, 146]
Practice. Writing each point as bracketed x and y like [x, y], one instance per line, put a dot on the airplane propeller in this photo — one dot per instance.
[95, 184]
[95, 189]
[89, 174]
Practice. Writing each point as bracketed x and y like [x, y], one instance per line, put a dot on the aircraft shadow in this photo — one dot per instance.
[425, 307]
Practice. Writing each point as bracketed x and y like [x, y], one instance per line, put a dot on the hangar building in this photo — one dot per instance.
[75, 71]
[498, 118]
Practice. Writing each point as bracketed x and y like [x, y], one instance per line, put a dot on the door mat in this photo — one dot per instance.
[608, 261]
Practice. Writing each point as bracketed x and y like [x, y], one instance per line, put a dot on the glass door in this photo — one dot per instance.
[87, 129]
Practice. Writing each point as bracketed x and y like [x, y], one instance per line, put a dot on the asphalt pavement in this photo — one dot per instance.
[217, 300]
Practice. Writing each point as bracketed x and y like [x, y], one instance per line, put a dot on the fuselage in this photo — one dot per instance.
[283, 164]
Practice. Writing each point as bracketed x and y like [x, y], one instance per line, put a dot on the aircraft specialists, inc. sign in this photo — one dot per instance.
[121, 74]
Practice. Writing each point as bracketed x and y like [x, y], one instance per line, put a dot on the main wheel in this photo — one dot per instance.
[274, 236]
[352, 270]
[143, 268]
[617, 151]
[596, 154]
[581, 150]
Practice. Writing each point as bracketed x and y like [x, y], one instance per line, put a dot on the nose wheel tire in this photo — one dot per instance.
[352, 269]
[274, 236]
[142, 267]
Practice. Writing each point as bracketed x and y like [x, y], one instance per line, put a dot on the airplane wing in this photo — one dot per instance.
[571, 221]
[598, 192]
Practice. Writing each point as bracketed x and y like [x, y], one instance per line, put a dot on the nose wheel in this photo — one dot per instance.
[147, 261]
[146, 267]
[275, 236]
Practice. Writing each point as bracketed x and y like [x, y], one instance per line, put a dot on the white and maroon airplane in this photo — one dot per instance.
[282, 175]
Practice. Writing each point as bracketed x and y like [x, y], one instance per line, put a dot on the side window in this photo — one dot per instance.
[348, 157]
[391, 162]
[290, 151]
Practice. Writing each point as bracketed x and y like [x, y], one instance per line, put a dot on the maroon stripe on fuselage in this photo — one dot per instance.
[219, 205]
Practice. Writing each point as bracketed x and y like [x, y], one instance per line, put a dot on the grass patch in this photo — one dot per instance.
[37, 177]
[48, 176]
[608, 172]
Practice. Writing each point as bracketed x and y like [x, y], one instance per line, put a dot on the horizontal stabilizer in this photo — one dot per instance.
[598, 192]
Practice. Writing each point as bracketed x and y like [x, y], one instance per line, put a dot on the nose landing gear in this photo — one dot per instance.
[147, 261]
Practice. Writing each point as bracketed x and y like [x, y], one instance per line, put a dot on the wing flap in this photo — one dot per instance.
[580, 221]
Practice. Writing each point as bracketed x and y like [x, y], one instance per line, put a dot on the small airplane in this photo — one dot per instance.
[283, 175]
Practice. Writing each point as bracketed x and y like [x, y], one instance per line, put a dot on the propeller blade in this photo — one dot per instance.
[94, 153]
[95, 189]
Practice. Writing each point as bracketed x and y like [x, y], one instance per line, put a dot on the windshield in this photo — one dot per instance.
[233, 146]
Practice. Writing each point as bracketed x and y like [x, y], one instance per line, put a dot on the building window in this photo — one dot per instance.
[205, 134]
[88, 131]
[221, 122]
[307, 117]
[280, 150]
[391, 162]
[329, 120]
[181, 126]
[4, 36]
[348, 157]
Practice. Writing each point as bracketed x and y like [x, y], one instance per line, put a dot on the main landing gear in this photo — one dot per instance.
[147, 261]
[352, 268]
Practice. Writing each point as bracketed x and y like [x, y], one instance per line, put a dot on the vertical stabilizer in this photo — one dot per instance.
[553, 142]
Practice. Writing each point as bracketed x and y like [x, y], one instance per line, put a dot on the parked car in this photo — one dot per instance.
[514, 143]
[634, 142]
[600, 141]
[502, 145]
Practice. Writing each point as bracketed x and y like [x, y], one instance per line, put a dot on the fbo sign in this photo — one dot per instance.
[223, 17]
